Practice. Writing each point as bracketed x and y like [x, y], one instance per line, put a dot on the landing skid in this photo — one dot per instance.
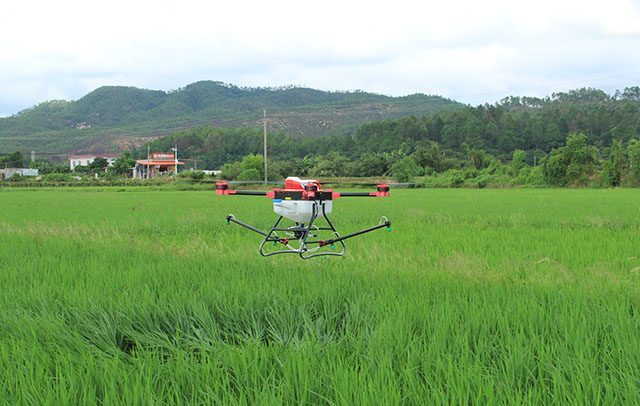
[303, 239]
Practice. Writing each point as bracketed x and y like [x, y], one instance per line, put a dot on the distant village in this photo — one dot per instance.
[158, 164]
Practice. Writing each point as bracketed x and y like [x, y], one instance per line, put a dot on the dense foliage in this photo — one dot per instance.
[583, 137]
[112, 116]
[13, 160]
[534, 125]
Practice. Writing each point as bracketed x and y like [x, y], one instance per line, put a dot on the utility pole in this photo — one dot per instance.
[264, 122]
[33, 156]
[175, 157]
[148, 158]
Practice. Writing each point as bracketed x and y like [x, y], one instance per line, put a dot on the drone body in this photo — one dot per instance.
[307, 205]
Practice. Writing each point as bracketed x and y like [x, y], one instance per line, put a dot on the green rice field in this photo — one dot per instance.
[476, 297]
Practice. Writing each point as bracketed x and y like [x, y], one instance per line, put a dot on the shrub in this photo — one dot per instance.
[196, 175]
[57, 177]
[249, 174]
[404, 170]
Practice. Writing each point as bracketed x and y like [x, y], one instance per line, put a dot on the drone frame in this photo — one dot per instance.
[307, 248]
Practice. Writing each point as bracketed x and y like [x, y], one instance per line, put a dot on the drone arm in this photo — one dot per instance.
[231, 219]
[248, 192]
[355, 194]
[322, 243]
[382, 191]
[222, 188]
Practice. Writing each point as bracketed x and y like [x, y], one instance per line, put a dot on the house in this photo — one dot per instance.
[160, 163]
[86, 160]
[9, 172]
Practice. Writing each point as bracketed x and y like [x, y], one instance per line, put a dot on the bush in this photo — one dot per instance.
[17, 178]
[404, 170]
[196, 175]
[482, 181]
[57, 177]
[454, 178]
[249, 175]
[231, 171]
[536, 177]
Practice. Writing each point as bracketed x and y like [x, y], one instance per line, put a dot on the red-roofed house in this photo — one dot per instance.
[158, 164]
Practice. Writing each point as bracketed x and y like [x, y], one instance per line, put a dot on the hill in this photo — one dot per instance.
[117, 117]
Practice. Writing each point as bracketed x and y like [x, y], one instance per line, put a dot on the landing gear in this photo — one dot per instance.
[305, 240]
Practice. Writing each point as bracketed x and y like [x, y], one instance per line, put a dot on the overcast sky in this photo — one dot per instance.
[472, 51]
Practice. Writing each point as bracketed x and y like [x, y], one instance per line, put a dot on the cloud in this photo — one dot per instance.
[473, 51]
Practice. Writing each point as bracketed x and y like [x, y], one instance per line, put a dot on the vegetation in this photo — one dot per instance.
[112, 116]
[488, 297]
[13, 160]
[574, 164]
[579, 138]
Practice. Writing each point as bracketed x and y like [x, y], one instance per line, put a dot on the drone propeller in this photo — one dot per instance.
[310, 192]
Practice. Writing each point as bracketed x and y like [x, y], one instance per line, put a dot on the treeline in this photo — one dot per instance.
[49, 171]
[574, 164]
[213, 147]
[539, 133]
[535, 125]
[576, 138]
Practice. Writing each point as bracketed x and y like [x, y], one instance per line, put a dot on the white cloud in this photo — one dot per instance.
[469, 50]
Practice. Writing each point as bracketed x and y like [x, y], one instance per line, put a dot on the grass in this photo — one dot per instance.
[477, 296]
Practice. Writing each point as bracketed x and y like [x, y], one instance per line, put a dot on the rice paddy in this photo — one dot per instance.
[476, 296]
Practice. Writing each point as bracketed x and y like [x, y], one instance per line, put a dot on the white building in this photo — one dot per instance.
[86, 160]
[9, 172]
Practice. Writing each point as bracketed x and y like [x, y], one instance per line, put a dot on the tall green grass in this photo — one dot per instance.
[477, 296]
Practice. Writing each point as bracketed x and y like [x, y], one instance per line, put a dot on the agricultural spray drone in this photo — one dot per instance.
[306, 204]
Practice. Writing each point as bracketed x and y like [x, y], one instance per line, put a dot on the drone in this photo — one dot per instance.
[306, 204]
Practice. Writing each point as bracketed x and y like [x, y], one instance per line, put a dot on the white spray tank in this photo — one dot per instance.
[291, 205]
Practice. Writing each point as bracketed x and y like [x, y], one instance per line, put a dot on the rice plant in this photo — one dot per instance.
[477, 296]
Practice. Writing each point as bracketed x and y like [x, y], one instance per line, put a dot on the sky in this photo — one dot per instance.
[471, 51]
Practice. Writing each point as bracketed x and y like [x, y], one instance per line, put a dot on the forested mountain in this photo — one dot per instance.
[117, 118]
[582, 137]
[534, 125]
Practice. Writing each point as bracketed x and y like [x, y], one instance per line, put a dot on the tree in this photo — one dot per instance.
[249, 175]
[99, 164]
[518, 162]
[633, 150]
[255, 162]
[404, 169]
[123, 164]
[332, 164]
[572, 164]
[231, 171]
[432, 157]
[476, 158]
[613, 169]
[45, 166]
[276, 168]
[518, 159]
[14, 160]
[371, 164]
[630, 93]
